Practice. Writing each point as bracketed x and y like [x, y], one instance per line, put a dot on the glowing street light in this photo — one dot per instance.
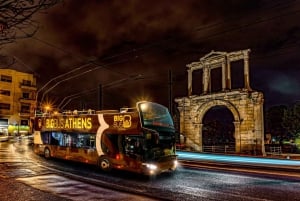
[47, 108]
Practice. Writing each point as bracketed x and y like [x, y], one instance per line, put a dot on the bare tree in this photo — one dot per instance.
[16, 18]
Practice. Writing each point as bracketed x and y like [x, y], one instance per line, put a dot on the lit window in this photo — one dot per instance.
[6, 78]
[25, 95]
[5, 92]
[26, 82]
[4, 106]
[25, 108]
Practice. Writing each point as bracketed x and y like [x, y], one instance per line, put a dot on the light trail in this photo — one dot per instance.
[236, 159]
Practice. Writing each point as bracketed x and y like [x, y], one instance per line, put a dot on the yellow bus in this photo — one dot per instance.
[140, 139]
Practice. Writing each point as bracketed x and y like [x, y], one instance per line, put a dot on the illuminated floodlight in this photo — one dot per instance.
[140, 98]
[144, 106]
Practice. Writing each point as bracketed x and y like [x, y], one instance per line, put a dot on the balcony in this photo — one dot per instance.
[26, 113]
[5, 112]
[27, 100]
[29, 114]
[28, 86]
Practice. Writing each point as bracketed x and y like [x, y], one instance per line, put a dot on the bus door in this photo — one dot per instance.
[87, 147]
[133, 149]
[58, 149]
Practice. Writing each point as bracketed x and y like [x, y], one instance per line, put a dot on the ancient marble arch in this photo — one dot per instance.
[245, 104]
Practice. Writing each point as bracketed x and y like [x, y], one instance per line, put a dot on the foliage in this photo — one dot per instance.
[274, 120]
[291, 120]
[16, 18]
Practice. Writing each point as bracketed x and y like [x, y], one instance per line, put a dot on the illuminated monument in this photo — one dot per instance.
[246, 105]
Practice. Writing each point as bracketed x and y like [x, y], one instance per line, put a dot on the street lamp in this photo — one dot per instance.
[47, 108]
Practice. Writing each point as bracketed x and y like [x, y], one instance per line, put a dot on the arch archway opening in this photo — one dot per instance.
[218, 130]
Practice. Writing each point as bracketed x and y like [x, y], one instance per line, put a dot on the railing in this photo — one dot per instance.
[274, 150]
[219, 149]
[230, 149]
[26, 99]
[24, 84]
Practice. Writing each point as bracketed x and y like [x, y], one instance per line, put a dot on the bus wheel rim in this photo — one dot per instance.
[47, 153]
[104, 164]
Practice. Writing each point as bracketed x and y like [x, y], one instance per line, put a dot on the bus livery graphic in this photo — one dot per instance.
[140, 139]
[102, 127]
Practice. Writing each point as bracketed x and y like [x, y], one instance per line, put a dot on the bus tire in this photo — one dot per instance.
[47, 153]
[104, 164]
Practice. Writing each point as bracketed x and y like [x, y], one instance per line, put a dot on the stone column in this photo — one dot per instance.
[246, 70]
[228, 75]
[205, 79]
[237, 136]
[190, 81]
[223, 76]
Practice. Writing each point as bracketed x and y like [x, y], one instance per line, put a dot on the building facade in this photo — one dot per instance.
[17, 101]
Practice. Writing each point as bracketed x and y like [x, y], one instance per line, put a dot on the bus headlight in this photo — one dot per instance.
[150, 166]
[175, 162]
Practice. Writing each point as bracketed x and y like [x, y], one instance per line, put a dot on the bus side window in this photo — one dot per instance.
[54, 138]
[86, 141]
[92, 143]
[45, 137]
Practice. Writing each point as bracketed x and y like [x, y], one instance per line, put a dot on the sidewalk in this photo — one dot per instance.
[10, 189]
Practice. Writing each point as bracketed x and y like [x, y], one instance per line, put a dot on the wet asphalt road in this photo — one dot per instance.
[24, 177]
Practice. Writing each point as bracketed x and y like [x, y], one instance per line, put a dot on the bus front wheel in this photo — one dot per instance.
[47, 153]
[104, 164]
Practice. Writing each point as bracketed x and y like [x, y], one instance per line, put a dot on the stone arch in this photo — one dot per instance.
[245, 104]
[203, 108]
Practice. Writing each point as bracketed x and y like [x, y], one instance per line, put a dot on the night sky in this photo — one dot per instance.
[125, 39]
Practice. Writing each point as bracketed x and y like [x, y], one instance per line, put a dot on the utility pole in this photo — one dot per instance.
[170, 84]
[100, 96]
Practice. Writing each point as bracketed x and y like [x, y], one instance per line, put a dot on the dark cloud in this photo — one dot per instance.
[125, 38]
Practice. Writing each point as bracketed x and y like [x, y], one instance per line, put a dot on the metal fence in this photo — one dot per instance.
[273, 150]
[211, 149]
[219, 149]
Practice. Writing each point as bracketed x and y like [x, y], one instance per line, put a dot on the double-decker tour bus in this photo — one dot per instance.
[140, 139]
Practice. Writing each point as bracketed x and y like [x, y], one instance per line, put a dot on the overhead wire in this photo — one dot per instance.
[159, 44]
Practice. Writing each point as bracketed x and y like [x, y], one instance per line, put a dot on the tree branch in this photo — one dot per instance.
[16, 18]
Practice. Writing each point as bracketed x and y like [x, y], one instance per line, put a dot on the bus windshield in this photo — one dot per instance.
[155, 115]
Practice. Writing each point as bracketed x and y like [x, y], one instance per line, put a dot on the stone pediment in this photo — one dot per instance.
[213, 55]
[214, 59]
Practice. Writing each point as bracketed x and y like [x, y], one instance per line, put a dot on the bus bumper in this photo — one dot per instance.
[158, 168]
